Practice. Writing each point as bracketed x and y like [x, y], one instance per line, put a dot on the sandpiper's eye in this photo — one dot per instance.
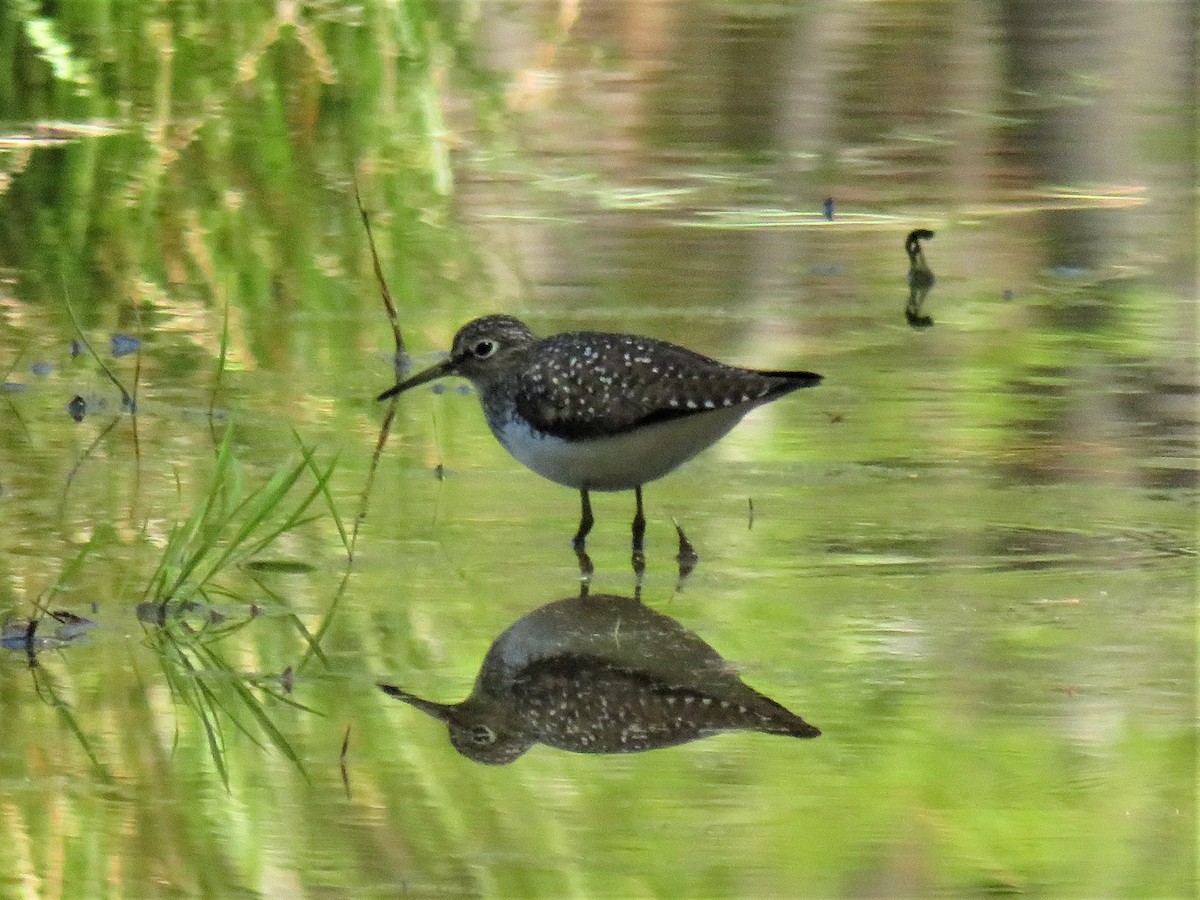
[484, 349]
[482, 735]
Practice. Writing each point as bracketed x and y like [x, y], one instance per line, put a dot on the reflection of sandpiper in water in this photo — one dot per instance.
[920, 278]
[601, 674]
[599, 411]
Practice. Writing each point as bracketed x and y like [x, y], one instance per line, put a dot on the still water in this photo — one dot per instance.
[967, 558]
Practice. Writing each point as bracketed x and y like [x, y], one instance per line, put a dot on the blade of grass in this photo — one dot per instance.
[222, 356]
[67, 717]
[126, 397]
[319, 634]
[314, 647]
[323, 482]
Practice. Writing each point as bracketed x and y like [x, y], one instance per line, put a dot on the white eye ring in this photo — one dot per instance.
[482, 735]
[484, 349]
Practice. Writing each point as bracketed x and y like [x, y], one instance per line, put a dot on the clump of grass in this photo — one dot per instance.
[230, 526]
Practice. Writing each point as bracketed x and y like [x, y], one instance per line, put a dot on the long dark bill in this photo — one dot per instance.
[442, 711]
[446, 367]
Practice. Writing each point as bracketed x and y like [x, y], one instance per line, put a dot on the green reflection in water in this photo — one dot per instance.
[976, 563]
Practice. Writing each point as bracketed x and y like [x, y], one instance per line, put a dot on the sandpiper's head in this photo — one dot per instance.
[912, 243]
[483, 343]
[479, 347]
[479, 730]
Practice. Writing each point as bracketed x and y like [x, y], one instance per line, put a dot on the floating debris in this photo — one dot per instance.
[1065, 271]
[77, 408]
[828, 269]
[41, 368]
[281, 566]
[31, 636]
[123, 345]
[342, 761]
[159, 612]
[828, 209]
[920, 278]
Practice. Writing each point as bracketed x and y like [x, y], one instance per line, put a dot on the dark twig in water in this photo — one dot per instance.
[342, 759]
[126, 398]
[920, 278]
[365, 498]
[133, 419]
[222, 356]
[91, 448]
[399, 363]
[388, 304]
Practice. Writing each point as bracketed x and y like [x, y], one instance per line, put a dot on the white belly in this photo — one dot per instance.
[622, 462]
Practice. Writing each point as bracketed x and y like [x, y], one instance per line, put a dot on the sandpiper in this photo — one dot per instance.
[601, 674]
[597, 411]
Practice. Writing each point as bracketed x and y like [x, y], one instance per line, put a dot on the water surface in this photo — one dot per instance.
[968, 557]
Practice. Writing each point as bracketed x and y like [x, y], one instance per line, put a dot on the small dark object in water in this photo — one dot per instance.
[1064, 271]
[401, 363]
[281, 566]
[829, 208]
[439, 472]
[345, 771]
[77, 408]
[41, 368]
[920, 278]
[76, 348]
[287, 680]
[438, 389]
[687, 557]
[14, 387]
[830, 269]
[123, 345]
[1009, 294]
[31, 637]
[912, 243]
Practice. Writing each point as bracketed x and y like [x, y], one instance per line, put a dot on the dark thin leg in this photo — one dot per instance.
[585, 572]
[639, 523]
[639, 534]
[585, 521]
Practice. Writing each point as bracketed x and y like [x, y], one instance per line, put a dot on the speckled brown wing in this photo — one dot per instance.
[581, 385]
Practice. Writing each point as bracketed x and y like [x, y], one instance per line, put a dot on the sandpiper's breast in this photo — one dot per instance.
[617, 462]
